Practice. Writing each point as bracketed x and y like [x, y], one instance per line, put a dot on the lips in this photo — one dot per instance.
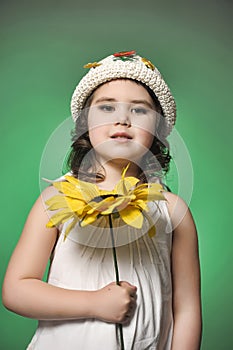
[121, 135]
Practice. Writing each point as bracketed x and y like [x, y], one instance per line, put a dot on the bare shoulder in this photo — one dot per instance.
[35, 226]
[47, 193]
[39, 208]
[39, 214]
[179, 211]
[35, 244]
[185, 238]
[175, 202]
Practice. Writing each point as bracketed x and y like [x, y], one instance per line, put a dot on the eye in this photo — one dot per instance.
[139, 110]
[106, 108]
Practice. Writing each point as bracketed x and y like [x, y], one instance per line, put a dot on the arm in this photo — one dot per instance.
[186, 277]
[25, 293]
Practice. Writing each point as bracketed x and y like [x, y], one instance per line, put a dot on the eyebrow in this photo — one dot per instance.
[109, 99]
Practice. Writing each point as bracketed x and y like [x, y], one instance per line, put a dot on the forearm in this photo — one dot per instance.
[187, 331]
[36, 299]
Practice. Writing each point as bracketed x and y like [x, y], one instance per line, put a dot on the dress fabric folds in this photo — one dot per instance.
[87, 264]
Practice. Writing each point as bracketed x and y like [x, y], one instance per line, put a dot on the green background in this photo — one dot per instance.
[44, 45]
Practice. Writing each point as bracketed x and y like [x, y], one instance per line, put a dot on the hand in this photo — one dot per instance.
[115, 303]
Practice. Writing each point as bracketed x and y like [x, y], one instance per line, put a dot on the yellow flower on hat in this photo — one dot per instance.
[84, 202]
[148, 63]
[92, 65]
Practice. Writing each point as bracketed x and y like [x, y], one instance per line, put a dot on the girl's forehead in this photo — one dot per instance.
[122, 90]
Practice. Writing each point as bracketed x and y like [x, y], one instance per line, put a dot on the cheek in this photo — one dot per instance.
[97, 135]
[149, 132]
[148, 137]
[146, 127]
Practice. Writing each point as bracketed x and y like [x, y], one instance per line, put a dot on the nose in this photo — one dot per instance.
[123, 118]
[123, 122]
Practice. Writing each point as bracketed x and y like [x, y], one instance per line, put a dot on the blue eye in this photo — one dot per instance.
[139, 110]
[106, 108]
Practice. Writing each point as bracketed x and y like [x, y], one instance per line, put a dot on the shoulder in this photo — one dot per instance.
[39, 212]
[36, 242]
[47, 193]
[174, 201]
[185, 238]
[178, 209]
[40, 201]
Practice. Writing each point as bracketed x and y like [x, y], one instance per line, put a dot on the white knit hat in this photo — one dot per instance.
[127, 65]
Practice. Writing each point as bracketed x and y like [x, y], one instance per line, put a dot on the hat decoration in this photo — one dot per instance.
[124, 65]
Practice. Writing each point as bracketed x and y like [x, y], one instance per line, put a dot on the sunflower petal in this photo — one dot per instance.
[78, 189]
[117, 203]
[68, 189]
[89, 219]
[72, 180]
[141, 204]
[75, 205]
[83, 187]
[107, 193]
[100, 206]
[56, 202]
[153, 192]
[87, 190]
[60, 217]
[132, 216]
[70, 227]
[125, 185]
[152, 230]
[124, 171]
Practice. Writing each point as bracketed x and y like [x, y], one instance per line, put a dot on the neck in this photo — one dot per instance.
[113, 170]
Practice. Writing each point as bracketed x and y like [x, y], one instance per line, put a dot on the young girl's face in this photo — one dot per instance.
[121, 121]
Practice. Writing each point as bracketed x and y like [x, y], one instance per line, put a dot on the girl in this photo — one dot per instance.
[123, 112]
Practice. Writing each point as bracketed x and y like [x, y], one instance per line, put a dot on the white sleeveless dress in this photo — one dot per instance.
[144, 262]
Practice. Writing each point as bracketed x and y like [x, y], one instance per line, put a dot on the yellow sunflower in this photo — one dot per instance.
[84, 202]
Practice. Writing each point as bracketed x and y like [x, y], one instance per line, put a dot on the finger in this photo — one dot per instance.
[133, 294]
[132, 307]
[130, 288]
[128, 285]
[127, 318]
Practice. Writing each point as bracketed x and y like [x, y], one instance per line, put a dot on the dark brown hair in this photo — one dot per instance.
[155, 163]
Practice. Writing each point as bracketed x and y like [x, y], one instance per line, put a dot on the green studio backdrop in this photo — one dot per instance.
[43, 48]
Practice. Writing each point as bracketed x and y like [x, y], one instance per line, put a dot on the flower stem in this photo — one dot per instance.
[114, 251]
[117, 276]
